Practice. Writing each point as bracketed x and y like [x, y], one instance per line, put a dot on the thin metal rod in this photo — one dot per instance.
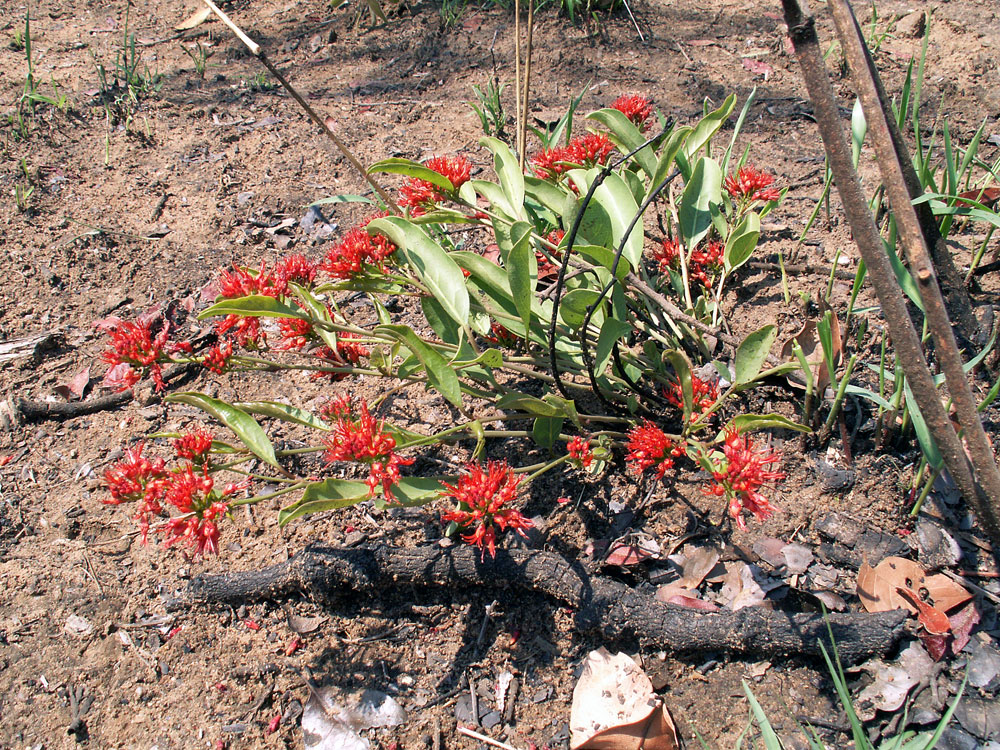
[802, 30]
[324, 124]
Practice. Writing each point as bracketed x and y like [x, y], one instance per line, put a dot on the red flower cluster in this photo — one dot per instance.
[636, 108]
[217, 356]
[296, 334]
[364, 440]
[579, 451]
[348, 353]
[649, 447]
[546, 268]
[703, 265]
[742, 477]
[193, 494]
[194, 446]
[750, 184]
[500, 335]
[133, 345]
[420, 195]
[706, 393]
[356, 250]
[241, 282]
[190, 489]
[588, 150]
[481, 497]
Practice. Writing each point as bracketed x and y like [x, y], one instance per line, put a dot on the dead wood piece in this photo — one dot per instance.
[33, 411]
[605, 606]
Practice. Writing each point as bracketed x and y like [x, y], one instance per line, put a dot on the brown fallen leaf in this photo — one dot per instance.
[987, 197]
[808, 339]
[627, 553]
[934, 620]
[615, 708]
[877, 587]
[758, 67]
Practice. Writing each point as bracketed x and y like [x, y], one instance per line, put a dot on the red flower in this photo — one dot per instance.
[194, 446]
[636, 108]
[703, 265]
[500, 335]
[705, 392]
[217, 356]
[420, 195]
[744, 474]
[294, 268]
[668, 255]
[579, 450]
[137, 479]
[588, 150]
[355, 251]
[199, 530]
[591, 149]
[193, 493]
[365, 440]
[750, 184]
[481, 496]
[296, 333]
[348, 353]
[133, 345]
[338, 407]
[650, 447]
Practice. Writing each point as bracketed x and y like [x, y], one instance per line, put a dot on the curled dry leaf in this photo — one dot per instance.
[615, 708]
[808, 339]
[878, 587]
[696, 563]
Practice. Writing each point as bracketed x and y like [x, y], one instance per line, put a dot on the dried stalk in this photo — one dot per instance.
[522, 144]
[517, 80]
[802, 30]
[911, 234]
[324, 124]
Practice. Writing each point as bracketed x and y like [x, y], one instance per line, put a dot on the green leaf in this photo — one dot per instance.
[246, 428]
[702, 192]
[922, 431]
[284, 412]
[493, 194]
[545, 193]
[440, 374]
[668, 154]
[412, 169]
[619, 204]
[707, 127]
[435, 268]
[441, 323]
[767, 733]
[319, 311]
[508, 169]
[742, 241]
[604, 258]
[254, 306]
[682, 367]
[344, 198]
[574, 306]
[545, 431]
[528, 404]
[522, 270]
[330, 494]
[412, 491]
[626, 136]
[753, 422]
[612, 330]
[752, 353]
